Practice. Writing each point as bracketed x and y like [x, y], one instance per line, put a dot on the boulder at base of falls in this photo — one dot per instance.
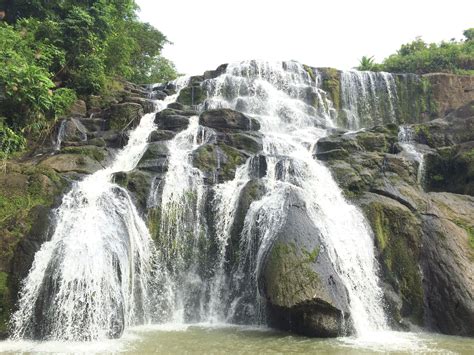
[223, 119]
[303, 292]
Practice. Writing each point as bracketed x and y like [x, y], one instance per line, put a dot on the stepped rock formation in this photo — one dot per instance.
[233, 201]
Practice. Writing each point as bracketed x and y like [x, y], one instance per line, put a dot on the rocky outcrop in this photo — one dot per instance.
[27, 193]
[447, 262]
[450, 91]
[302, 289]
[226, 119]
[424, 239]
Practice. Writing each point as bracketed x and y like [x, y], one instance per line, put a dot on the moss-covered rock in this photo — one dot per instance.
[302, 289]
[218, 161]
[451, 169]
[332, 84]
[124, 116]
[192, 95]
[398, 236]
[77, 163]
[249, 142]
[92, 151]
[5, 305]
[25, 191]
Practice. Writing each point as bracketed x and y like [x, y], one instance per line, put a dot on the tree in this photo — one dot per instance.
[469, 34]
[367, 63]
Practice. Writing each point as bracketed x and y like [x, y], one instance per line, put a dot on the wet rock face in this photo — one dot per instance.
[225, 119]
[302, 289]
[29, 191]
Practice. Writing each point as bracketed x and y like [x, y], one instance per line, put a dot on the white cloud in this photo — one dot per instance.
[334, 33]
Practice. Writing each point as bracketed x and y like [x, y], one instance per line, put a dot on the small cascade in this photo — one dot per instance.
[94, 277]
[60, 135]
[67, 125]
[183, 225]
[226, 198]
[368, 98]
[407, 141]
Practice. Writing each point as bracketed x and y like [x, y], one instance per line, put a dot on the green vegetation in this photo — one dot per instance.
[53, 52]
[367, 63]
[420, 57]
[4, 303]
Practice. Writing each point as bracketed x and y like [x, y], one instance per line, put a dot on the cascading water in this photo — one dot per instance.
[182, 221]
[407, 141]
[277, 96]
[86, 300]
[92, 278]
[293, 113]
[368, 98]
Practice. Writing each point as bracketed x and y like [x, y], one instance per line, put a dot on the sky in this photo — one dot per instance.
[335, 33]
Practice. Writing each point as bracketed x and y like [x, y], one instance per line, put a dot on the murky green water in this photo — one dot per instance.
[245, 340]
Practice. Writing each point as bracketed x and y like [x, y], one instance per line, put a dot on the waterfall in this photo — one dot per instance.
[407, 141]
[293, 113]
[368, 98]
[101, 271]
[277, 96]
[91, 280]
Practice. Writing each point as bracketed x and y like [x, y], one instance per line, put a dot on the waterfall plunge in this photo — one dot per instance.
[91, 279]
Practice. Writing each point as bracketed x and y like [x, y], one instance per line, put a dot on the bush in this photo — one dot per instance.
[10, 142]
[421, 57]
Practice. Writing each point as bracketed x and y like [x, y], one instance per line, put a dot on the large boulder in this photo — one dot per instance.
[70, 131]
[124, 116]
[303, 291]
[398, 239]
[225, 119]
[172, 120]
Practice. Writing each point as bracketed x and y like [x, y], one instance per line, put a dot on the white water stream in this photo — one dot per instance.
[91, 280]
[276, 94]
